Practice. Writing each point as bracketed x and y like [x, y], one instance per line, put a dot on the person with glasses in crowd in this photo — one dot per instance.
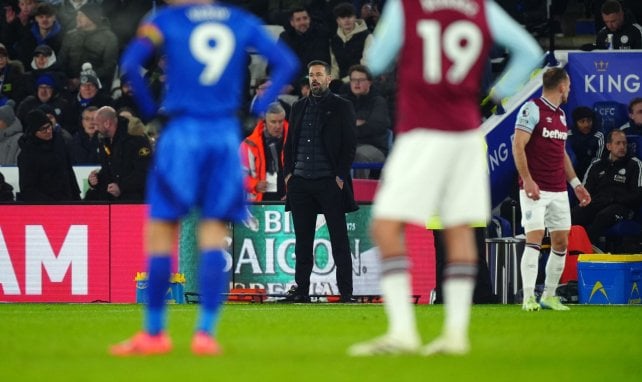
[44, 164]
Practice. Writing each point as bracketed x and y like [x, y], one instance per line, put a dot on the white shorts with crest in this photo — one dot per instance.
[435, 173]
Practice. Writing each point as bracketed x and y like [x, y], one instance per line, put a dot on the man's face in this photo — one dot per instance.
[636, 114]
[88, 90]
[44, 93]
[613, 21]
[45, 21]
[88, 123]
[319, 79]
[565, 89]
[83, 22]
[617, 146]
[359, 83]
[26, 6]
[585, 125]
[274, 124]
[300, 21]
[346, 23]
[41, 61]
[45, 132]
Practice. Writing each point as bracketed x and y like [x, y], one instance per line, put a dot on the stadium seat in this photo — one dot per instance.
[610, 115]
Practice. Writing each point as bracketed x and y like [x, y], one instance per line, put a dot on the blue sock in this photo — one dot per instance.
[157, 285]
[213, 281]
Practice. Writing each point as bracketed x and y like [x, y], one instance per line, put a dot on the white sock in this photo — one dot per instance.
[459, 286]
[397, 290]
[554, 269]
[529, 265]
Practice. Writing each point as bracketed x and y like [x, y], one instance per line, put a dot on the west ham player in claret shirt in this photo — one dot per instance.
[544, 168]
[438, 163]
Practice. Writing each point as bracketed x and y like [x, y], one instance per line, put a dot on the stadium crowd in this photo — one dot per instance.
[61, 57]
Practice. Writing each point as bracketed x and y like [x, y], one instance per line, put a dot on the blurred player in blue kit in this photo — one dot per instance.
[196, 161]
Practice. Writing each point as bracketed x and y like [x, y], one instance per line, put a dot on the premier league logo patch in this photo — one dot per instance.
[528, 215]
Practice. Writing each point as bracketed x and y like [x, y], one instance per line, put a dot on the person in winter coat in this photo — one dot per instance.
[10, 133]
[44, 164]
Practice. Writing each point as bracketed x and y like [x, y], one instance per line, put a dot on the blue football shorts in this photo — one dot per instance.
[197, 165]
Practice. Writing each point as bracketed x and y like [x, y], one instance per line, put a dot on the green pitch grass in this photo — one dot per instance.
[269, 342]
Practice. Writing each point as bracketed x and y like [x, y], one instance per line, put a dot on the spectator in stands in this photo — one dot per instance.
[16, 23]
[308, 40]
[318, 154]
[10, 133]
[584, 139]
[626, 34]
[370, 11]
[126, 97]
[124, 159]
[44, 163]
[45, 93]
[92, 41]
[6, 190]
[124, 16]
[68, 10]
[44, 30]
[373, 121]
[634, 126]
[51, 113]
[280, 10]
[11, 72]
[262, 156]
[89, 94]
[44, 61]
[84, 145]
[615, 184]
[349, 42]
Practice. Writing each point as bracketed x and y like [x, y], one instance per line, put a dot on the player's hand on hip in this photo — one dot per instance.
[532, 189]
[582, 195]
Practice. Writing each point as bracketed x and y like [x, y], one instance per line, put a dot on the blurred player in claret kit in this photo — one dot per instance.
[438, 163]
[196, 162]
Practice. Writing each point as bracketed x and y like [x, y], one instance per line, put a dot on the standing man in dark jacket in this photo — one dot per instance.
[319, 151]
[44, 163]
[615, 183]
[124, 158]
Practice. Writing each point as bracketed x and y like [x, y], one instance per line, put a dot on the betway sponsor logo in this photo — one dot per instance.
[554, 134]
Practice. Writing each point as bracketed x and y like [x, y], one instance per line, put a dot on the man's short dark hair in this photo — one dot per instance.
[553, 77]
[361, 69]
[297, 10]
[328, 68]
[609, 136]
[610, 7]
[634, 102]
[344, 10]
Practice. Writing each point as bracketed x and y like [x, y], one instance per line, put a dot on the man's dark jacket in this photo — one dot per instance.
[124, 161]
[338, 136]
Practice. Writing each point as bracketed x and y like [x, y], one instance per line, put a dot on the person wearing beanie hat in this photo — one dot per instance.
[45, 91]
[92, 41]
[584, 141]
[44, 30]
[10, 133]
[44, 164]
[89, 13]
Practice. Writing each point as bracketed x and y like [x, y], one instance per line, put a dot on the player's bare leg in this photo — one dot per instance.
[402, 336]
